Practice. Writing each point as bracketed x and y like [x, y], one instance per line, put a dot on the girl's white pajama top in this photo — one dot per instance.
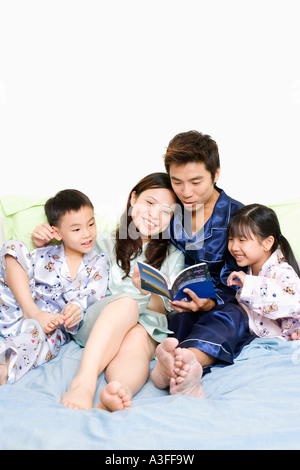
[272, 299]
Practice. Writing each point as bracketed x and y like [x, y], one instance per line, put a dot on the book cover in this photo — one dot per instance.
[197, 278]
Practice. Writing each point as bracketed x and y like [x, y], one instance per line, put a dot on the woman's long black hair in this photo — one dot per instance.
[128, 242]
[262, 222]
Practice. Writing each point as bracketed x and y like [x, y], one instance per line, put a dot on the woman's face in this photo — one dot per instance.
[152, 211]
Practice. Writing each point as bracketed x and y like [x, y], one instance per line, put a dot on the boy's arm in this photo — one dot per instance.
[42, 234]
[72, 315]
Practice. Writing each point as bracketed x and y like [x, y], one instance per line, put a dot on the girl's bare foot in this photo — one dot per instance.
[164, 368]
[114, 397]
[188, 374]
[79, 396]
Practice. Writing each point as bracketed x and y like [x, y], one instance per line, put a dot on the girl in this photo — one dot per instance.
[122, 339]
[270, 291]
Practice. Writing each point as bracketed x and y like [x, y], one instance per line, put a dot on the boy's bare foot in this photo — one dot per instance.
[79, 396]
[4, 372]
[114, 397]
[48, 321]
[188, 374]
[295, 335]
[164, 368]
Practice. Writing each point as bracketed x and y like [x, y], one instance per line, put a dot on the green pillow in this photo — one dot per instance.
[21, 214]
[288, 214]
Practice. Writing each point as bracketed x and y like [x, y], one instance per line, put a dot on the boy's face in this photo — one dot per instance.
[78, 230]
[192, 184]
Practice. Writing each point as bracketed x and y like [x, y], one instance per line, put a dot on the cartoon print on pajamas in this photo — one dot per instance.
[52, 288]
[272, 299]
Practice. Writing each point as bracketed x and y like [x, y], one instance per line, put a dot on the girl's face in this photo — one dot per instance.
[193, 184]
[152, 211]
[250, 251]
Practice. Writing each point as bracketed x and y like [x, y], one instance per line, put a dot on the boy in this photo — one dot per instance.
[64, 279]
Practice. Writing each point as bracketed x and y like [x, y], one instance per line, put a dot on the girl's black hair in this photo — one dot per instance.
[65, 201]
[262, 222]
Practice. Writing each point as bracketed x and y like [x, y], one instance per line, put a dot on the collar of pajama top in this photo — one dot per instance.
[276, 259]
[59, 256]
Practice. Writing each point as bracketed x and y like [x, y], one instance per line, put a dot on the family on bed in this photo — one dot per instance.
[87, 286]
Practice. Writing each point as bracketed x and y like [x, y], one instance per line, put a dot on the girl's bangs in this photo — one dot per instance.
[240, 229]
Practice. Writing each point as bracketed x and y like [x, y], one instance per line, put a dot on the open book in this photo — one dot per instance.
[196, 278]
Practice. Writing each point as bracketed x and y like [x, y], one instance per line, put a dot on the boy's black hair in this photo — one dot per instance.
[65, 201]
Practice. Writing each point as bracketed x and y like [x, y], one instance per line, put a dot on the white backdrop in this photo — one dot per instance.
[92, 91]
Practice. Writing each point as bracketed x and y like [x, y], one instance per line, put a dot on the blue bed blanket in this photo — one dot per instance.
[253, 404]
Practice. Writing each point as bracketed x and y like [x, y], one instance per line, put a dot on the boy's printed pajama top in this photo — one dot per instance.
[52, 288]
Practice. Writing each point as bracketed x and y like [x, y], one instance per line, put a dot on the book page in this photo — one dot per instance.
[192, 275]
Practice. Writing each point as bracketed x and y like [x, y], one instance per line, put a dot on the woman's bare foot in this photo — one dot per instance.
[188, 374]
[79, 396]
[164, 368]
[114, 397]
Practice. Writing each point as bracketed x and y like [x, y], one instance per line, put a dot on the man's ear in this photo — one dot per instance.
[217, 175]
[56, 233]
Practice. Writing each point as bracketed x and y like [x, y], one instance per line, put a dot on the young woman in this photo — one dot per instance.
[270, 291]
[121, 332]
[208, 331]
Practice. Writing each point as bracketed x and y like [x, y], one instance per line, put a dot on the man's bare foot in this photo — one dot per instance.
[48, 321]
[188, 374]
[79, 396]
[164, 368]
[114, 397]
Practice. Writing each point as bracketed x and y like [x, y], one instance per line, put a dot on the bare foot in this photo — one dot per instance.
[48, 321]
[114, 397]
[164, 368]
[188, 374]
[79, 396]
[295, 335]
[4, 372]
